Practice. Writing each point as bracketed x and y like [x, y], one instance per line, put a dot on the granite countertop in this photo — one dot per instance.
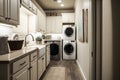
[11, 56]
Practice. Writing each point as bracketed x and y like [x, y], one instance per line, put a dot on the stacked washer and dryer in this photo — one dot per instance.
[69, 42]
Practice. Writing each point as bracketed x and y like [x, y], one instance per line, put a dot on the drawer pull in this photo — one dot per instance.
[34, 56]
[23, 63]
[29, 67]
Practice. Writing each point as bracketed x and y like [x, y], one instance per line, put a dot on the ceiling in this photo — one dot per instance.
[53, 5]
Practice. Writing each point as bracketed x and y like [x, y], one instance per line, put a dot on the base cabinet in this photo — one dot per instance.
[29, 67]
[33, 70]
[22, 74]
[43, 62]
[47, 55]
[41, 66]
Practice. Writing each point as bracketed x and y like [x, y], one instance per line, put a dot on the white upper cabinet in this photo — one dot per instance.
[14, 6]
[9, 11]
[29, 5]
[68, 17]
[41, 21]
[3, 9]
[54, 24]
[26, 3]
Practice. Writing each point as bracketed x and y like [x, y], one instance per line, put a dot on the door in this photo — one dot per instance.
[3, 10]
[69, 49]
[13, 11]
[22, 74]
[43, 63]
[26, 3]
[48, 54]
[96, 54]
[40, 68]
[49, 24]
[58, 25]
[69, 31]
[34, 70]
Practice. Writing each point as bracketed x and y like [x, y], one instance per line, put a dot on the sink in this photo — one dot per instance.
[41, 49]
[39, 46]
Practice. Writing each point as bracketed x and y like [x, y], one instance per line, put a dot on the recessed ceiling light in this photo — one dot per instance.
[62, 5]
[59, 1]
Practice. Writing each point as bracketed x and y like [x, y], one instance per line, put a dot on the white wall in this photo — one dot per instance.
[6, 30]
[83, 49]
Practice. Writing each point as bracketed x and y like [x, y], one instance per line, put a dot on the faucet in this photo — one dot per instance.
[26, 37]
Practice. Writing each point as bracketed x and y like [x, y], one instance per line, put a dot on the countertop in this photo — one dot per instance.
[11, 56]
[52, 40]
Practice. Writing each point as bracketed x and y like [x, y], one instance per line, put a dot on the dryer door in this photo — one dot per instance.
[69, 49]
[54, 49]
[69, 31]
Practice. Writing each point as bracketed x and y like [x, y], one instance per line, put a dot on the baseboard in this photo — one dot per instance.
[82, 74]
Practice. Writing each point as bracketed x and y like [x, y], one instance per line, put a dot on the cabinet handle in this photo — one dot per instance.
[6, 18]
[23, 63]
[9, 18]
[42, 58]
[34, 56]
[29, 67]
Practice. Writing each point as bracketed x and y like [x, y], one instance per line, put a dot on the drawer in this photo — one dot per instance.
[33, 56]
[20, 64]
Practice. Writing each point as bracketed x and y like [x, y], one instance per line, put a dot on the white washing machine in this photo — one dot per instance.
[69, 32]
[69, 50]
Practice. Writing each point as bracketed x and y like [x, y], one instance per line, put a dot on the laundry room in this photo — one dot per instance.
[45, 40]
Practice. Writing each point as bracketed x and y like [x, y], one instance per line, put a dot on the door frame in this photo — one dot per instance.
[96, 54]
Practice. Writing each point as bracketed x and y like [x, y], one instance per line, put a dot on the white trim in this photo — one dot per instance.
[83, 76]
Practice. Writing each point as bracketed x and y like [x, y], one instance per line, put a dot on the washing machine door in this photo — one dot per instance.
[69, 31]
[69, 49]
[54, 49]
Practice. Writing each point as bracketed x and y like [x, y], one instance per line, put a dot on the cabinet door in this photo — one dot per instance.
[34, 70]
[54, 24]
[48, 24]
[26, 3]
[68, 17]
[48, 55]
[43, 63]
[3, 10]
[51, 24]
[58, 25]
[22, 75]
[13, 11]
[40, 70]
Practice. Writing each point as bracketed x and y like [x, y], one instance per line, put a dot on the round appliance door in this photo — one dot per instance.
[69, 31]
[54, 49]
[68, 48]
